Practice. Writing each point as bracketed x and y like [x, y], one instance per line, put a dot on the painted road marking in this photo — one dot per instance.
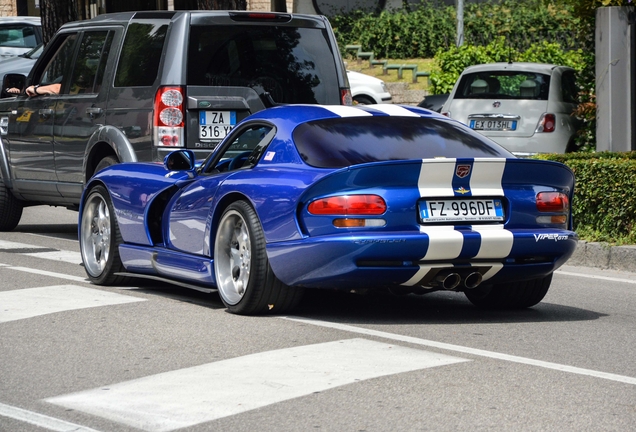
[186, 397]
[467, 350]
[32, 302]
[40, 252]
[41, 420]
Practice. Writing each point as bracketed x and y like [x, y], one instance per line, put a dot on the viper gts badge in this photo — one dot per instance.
[462, 171]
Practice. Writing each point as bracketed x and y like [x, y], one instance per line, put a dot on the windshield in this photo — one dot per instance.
[504, 85]
[341, 142]
[289, 63]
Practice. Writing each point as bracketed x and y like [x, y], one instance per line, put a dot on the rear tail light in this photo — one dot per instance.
[348, 205]
[169, 115]
[553, 202]
[547, 123]
[345, 97]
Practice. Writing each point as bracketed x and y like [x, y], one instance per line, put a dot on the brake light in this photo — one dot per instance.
[346, 205]
[552, 202]
[169, 115]
[345, 97]
[547, 123]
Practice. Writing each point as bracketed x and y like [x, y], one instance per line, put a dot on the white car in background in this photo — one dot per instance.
[525, 107]
[367, 90]
[19, 35]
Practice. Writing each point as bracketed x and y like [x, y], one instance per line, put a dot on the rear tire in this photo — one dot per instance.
[363, 100]
[515, 295]
[245, 280]
[100, 239]
[105, 162]
[10, 210]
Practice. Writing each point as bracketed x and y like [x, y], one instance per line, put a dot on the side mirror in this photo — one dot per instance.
[180, 160]
[13, 81]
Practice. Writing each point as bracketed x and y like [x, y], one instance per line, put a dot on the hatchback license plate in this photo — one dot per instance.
[461, 210]
[493, 125]
[216, 124]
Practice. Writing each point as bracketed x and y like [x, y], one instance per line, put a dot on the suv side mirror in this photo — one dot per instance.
[12, 81]
[180, 160]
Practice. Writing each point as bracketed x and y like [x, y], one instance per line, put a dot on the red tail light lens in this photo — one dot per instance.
[552, 202]
[345, 97]
[547, 123]
[347, 205]
[169, 117]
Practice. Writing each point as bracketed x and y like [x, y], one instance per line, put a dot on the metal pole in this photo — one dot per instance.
[460, 23]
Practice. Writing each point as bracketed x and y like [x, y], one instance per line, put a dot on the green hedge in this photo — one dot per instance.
[604, 205]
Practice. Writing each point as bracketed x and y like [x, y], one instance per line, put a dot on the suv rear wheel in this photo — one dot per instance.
[10, 210]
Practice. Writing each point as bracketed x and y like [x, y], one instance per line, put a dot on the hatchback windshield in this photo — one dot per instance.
[341, 142]
[288, 63]
[503, 85]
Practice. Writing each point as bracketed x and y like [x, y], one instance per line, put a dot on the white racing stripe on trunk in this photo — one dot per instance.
[486, 177]
[346, 111]
[199, 394]
[444, 242]
[496, 242]
[32, 302]
[436, 178]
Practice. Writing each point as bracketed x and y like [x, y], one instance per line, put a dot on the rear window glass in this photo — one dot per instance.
[293, 65]
[140, 55]
[504, 85]
[340, 142]
[18, 36]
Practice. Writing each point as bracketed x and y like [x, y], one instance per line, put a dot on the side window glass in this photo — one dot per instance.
[91, 57]
[140, 55]
[245, 149]
[569, 89]
[58, 66]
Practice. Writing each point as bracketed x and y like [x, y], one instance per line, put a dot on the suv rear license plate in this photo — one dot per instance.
[493, 125]
[461, 210]
[216, 124]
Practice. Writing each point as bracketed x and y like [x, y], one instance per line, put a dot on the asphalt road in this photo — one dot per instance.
[79, 357]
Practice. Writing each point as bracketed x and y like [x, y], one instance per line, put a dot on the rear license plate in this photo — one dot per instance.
[461, 210]
[216, 124]
[493, 125]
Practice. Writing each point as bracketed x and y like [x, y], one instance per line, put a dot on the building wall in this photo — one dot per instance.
[266, 5]
[8, 8]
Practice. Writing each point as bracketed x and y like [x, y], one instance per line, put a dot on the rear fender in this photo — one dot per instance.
[115, 139]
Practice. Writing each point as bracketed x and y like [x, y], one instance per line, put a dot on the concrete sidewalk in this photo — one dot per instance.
[603, 256]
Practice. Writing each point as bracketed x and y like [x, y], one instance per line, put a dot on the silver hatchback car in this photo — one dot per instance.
[525, 107]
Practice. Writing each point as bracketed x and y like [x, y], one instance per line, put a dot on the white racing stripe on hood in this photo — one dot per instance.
[393, 110]
[346, 111]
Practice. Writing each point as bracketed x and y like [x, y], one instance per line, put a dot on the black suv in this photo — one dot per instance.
[137, 85]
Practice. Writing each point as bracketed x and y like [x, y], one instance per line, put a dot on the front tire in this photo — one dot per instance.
[516, 295]
[245, 280]
[100, 239]
[10, 210]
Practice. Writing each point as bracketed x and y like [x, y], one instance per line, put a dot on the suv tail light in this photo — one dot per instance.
[547, 123]
[345, 97]
[169, 115]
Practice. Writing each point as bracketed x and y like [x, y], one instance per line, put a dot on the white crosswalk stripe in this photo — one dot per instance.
[41, 252]
[186, 397]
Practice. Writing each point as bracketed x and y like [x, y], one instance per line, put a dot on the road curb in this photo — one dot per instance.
[604, 256]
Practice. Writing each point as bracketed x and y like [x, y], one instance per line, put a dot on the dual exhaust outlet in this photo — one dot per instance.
[451, 280]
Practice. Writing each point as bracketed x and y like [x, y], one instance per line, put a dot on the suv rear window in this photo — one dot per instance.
[504, 85]
[340, 142]
[287, 62]
[140, 55]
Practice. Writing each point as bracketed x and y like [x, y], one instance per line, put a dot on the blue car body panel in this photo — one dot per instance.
[168, 219]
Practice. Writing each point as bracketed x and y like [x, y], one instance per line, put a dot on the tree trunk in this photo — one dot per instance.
[222, 4]
[54, 13]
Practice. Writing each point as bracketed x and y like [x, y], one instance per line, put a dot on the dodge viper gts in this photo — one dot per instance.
[391, 197]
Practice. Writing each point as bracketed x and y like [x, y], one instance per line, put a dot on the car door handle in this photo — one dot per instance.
[45, 112]
[94, 112]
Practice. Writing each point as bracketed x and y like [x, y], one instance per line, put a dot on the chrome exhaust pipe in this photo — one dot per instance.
[448, 281]
[473, 280]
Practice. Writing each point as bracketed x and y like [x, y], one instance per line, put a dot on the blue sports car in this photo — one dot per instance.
[382, 196]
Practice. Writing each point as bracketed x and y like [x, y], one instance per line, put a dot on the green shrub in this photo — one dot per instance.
[604, 205]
